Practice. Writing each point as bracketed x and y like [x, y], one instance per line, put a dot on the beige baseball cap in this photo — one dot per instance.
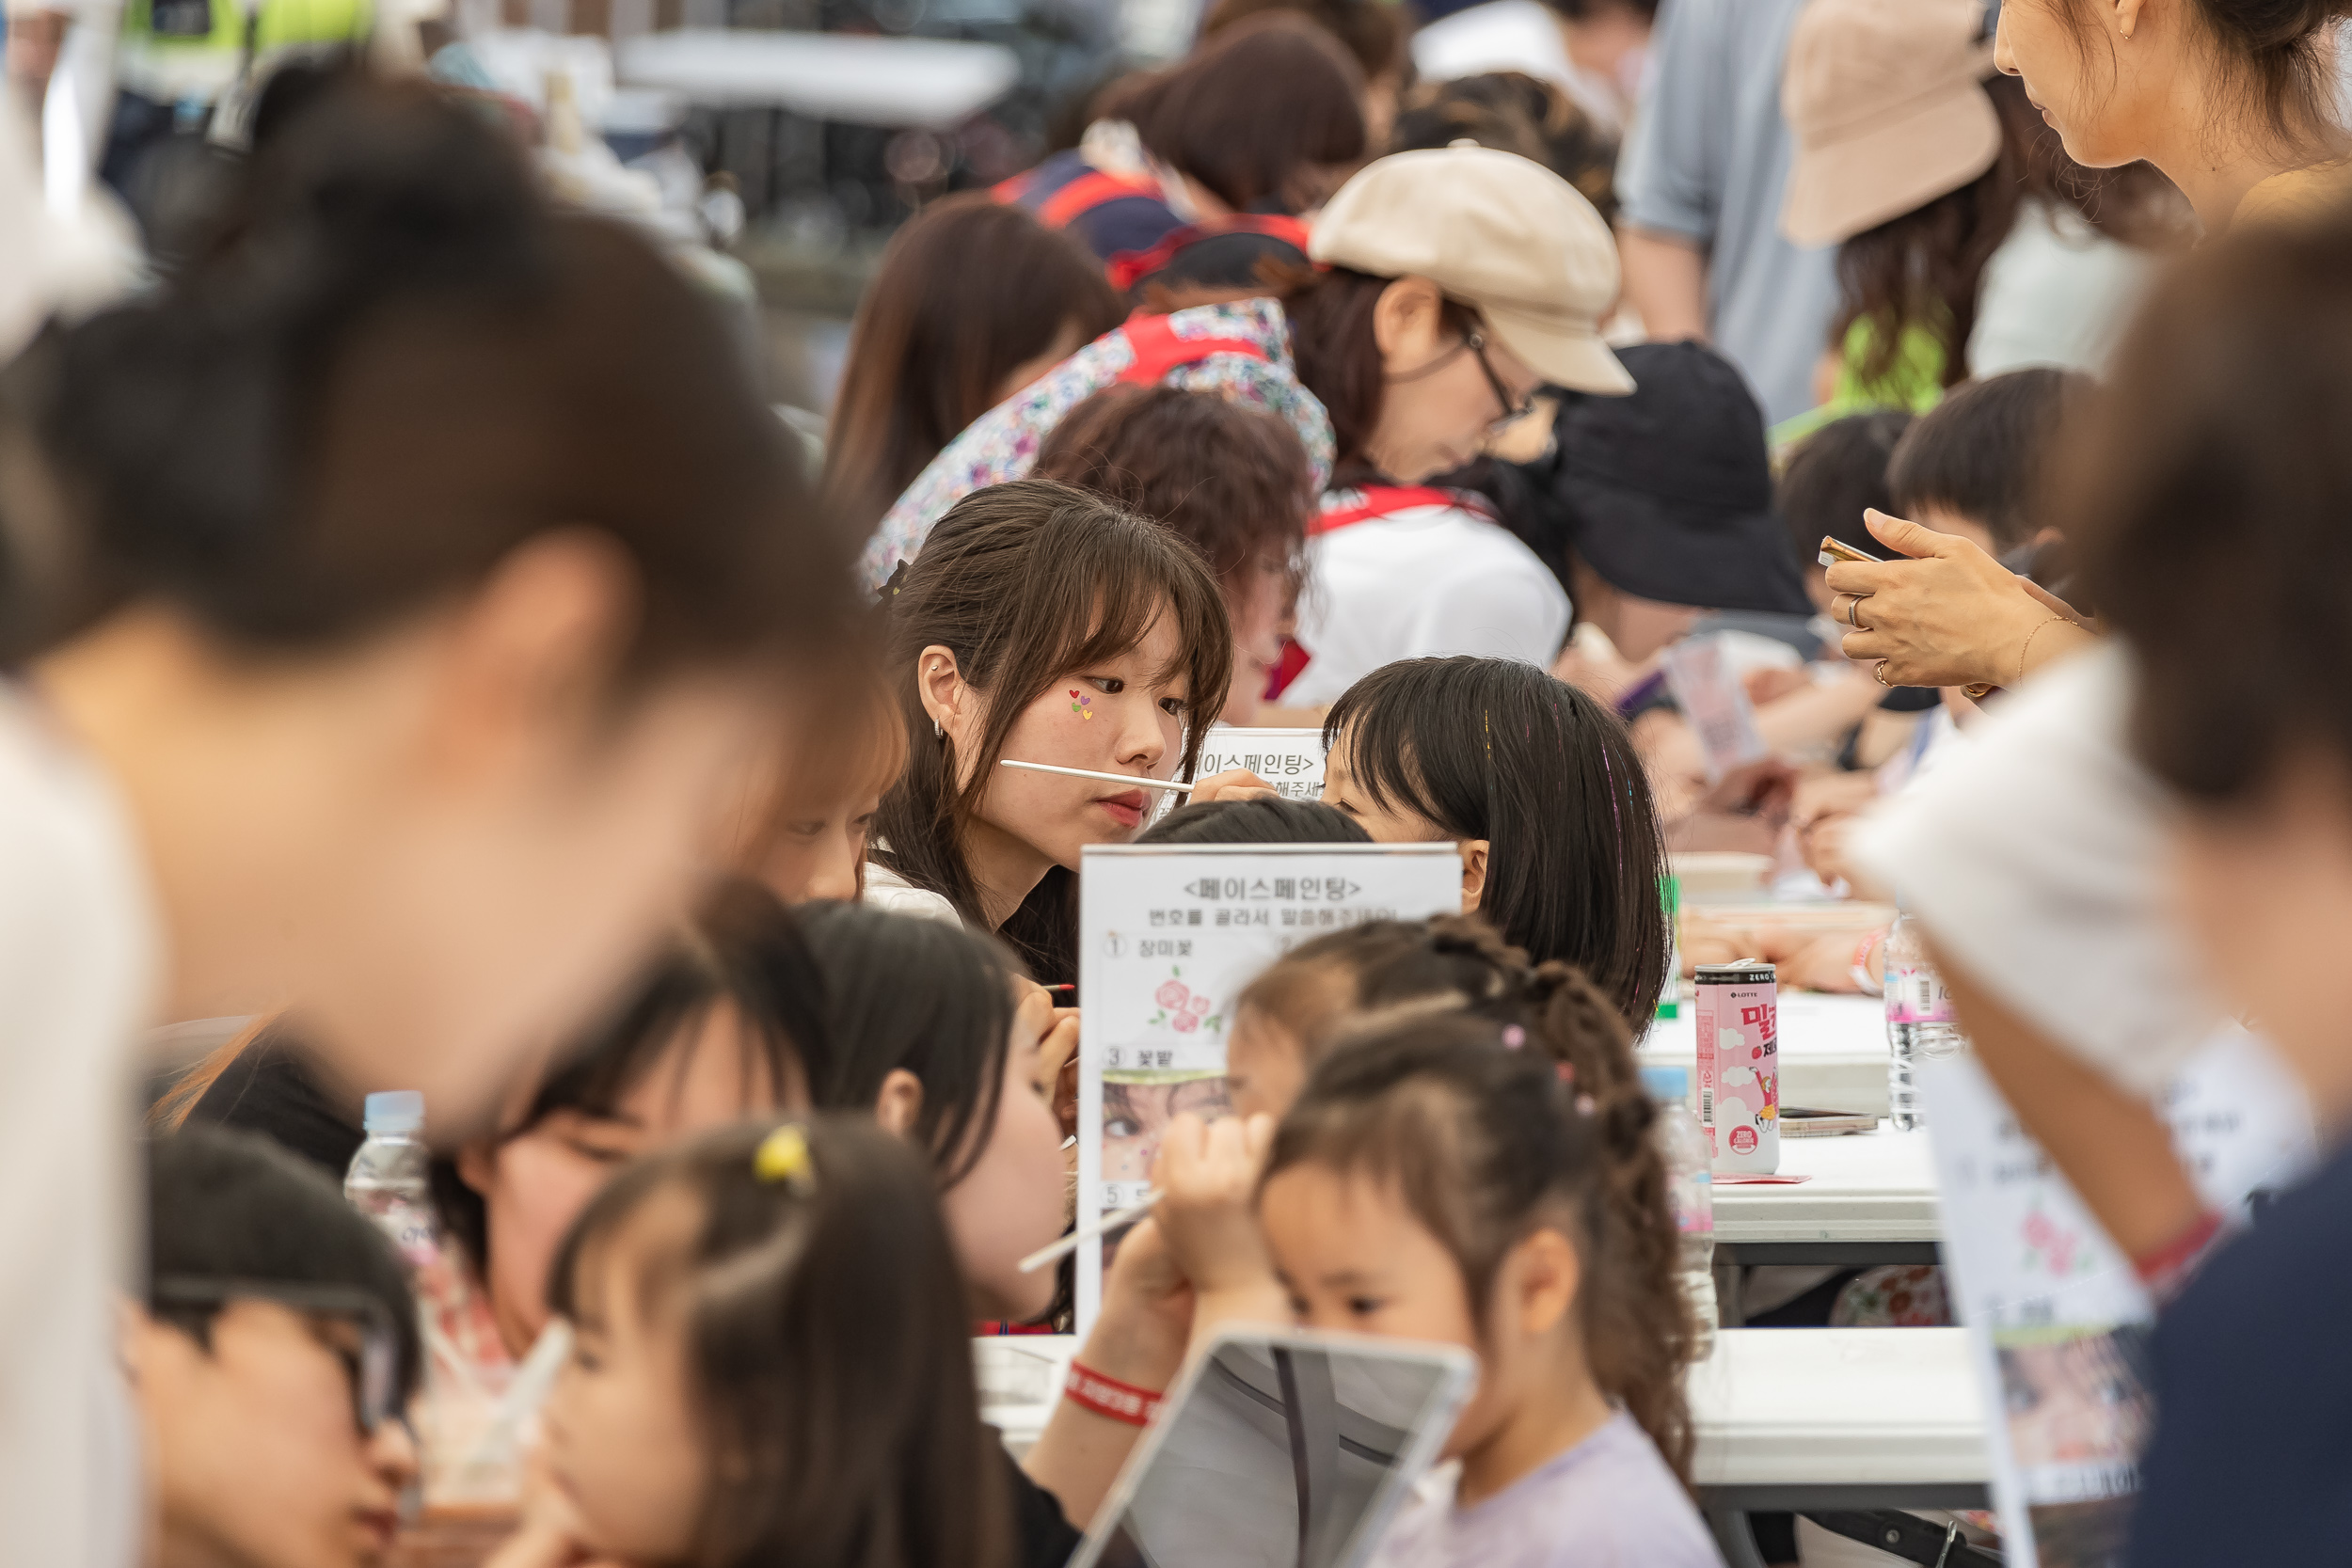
[1885, 102]
[1494, 231]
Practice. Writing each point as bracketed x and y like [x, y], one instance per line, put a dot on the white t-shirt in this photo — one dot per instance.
[1419, 581]
[886, 890]
[79, 965]
[2035, 856]
[2057, 293]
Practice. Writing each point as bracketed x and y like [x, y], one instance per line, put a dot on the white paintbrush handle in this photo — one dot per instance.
[1171, 785]
[1119, 1219]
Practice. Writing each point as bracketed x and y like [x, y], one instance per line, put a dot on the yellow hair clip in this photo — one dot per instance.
[783, 1156]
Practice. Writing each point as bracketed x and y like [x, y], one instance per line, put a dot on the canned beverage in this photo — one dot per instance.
[1739, 1059]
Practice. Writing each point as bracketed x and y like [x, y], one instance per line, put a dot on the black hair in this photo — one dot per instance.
[1833, 476]
[233, 1207]
[1981, 452]
[1489, 1131]
[1259, 821]
[1493, 749]
[743, 951]
[922, 996]
[826, 1351]
[395, 362]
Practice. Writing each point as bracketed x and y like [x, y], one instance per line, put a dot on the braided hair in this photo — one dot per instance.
[1491, 1130]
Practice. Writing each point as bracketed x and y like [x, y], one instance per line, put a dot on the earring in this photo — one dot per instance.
[936, 732]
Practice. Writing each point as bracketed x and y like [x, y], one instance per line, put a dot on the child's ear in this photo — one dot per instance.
[1546, 1274]
[1474, 851]
[899, 1102]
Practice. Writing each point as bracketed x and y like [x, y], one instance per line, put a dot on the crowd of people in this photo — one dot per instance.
[425, 643]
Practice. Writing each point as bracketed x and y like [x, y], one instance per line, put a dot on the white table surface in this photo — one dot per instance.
[1772, 1406]
[935, 83]
[1833, 1049]
[1866, 1187]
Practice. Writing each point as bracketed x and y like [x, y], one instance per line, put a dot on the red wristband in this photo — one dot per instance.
[2166, 1271]
[1108, 1396]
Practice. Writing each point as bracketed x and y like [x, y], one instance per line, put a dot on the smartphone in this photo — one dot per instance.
[1835, 550]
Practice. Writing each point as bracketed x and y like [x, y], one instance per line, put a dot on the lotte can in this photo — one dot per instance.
[1739, 1059]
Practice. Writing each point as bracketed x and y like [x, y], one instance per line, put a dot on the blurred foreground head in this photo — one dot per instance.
[421, 564]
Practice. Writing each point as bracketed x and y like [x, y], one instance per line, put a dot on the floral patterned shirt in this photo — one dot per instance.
[1002, 444]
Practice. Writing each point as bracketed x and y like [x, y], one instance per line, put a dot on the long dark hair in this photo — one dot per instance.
[1924, 268]
[922, 996]
[1498, 749]
[826, 1351]
[1025, 582]
[967, 291]
[394, 363]
[1493, 1130]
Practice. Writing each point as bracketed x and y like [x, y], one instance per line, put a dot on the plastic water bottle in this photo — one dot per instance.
[1691, 1187]
[1920, 1022]
[389, 1180]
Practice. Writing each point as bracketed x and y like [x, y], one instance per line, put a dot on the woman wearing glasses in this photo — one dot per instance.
[1453, 284]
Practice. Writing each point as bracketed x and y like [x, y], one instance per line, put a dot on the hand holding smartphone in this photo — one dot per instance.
[1835, 549]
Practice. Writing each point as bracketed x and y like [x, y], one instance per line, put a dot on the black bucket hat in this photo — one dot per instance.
[1668, 491]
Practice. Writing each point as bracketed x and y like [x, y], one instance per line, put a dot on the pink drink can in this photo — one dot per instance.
[1739, 1060]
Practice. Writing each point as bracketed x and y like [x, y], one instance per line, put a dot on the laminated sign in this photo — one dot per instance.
[2057, 1322]
[1290, 760]
[1167, 936]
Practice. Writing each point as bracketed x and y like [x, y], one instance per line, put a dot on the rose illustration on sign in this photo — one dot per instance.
[1182, 1008]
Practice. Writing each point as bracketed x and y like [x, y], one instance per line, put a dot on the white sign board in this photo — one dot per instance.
[2058, 1320]
[1167, 936]
[1290, 760]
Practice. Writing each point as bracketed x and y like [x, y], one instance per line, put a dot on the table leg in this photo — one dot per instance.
[1734, 1539]
[1730, 1313]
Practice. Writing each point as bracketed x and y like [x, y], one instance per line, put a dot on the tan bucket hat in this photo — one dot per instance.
[1494, 231]
[1885, 99]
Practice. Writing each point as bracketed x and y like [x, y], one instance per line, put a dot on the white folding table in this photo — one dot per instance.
[1869, 1199]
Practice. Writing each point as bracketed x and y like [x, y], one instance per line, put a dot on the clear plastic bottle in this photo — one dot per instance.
[1691, 1186]
[1920, 1022]
[390, 1177]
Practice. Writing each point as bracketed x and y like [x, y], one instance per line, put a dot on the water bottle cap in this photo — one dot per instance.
[395, 1111]
[1667, 1082]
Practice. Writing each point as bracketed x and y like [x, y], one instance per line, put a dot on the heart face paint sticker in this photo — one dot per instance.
[1082, 706]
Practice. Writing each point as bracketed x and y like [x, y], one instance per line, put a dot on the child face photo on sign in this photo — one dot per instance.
[1136, 1114]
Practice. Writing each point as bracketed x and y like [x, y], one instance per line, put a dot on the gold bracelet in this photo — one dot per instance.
[2026, 651]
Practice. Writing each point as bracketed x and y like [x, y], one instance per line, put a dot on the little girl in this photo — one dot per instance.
[769, 1365]
[1042, 624]
[1457, 1179]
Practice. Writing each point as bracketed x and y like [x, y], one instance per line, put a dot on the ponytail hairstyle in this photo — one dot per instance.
[1498, 750]
[826, 1354]
[393, 363]
[1029, 582]
[1491, 1131]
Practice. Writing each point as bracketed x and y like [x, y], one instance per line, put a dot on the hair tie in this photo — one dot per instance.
[1513, 1037]
[783, 1156]
[888, 592]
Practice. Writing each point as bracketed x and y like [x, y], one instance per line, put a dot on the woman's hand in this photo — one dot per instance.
[1949, 615]
[1234, 784]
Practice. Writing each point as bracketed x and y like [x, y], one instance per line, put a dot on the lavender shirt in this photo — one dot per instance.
[1609, 1503]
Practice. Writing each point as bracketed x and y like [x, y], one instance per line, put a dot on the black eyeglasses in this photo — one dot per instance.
[1513, 412]
[373, 1365]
